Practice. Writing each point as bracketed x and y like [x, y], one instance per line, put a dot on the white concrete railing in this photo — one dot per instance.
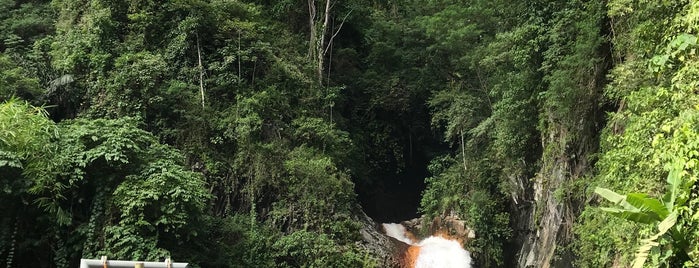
[104, 263]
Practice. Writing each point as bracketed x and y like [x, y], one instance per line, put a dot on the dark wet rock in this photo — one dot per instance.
[387, 250]
[450, 225]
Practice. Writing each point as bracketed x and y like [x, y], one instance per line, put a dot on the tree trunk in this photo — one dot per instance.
[320, 40]
[312, 29]
[463, 150]
[201, 73]
[321, 43]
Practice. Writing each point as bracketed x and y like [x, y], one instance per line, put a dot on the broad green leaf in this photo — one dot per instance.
[683, 41]
[614, 197]
[674, 181]
[667, 223]
[648, 244]
[642, 253]
[648, 204]
[632, 215]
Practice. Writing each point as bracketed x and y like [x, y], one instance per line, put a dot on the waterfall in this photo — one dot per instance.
[432, 252]
[398, 231]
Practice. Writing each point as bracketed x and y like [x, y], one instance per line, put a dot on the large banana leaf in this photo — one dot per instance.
[615, 198]
[649, 205]
[644, 209]
[663, 227]
[678, 188]
[674, 182]
[637, 216]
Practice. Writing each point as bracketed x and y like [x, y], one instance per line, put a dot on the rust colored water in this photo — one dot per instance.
[411, 256]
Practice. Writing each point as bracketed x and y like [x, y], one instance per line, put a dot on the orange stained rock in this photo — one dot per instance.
[411, 256]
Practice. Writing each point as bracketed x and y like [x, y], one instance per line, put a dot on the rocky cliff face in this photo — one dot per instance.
[548, 222]
[548, 204]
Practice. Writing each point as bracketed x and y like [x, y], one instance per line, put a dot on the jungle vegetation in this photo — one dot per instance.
[240, 133]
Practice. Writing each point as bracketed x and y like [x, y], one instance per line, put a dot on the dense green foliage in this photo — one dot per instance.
[261, 168]
[233, 133]
[641, 208]
[655, 127]
[519, 100]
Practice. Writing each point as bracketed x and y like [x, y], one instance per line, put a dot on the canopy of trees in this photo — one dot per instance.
[236, 133]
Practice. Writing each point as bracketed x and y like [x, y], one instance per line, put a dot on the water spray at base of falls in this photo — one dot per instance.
[432, 252]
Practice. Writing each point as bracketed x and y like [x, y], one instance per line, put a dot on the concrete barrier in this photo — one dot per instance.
[104, 263]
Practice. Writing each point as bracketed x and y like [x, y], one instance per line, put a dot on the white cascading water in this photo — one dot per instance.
[434, 251]
[397, 231]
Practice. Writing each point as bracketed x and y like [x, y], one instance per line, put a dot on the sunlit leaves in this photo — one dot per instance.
[643, 209]
[25, 133]
[654, 81]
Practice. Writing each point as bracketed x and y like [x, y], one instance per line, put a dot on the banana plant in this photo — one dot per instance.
[641, 208]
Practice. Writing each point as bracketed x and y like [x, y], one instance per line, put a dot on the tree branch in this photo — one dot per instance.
[336, 32]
